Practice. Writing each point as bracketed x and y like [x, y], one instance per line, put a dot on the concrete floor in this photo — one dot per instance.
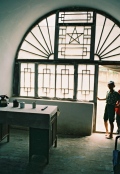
[73, 155]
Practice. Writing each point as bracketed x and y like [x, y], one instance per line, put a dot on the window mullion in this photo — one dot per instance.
[55, 79]
[75, 80]
[56, 36]
[18, 80]
[36, 80]
[92, 47]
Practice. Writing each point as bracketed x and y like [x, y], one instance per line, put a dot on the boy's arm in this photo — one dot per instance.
[101, 98]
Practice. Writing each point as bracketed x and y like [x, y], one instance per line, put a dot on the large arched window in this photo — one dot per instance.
[58, 56]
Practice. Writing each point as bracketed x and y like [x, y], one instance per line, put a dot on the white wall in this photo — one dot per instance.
[75, 117]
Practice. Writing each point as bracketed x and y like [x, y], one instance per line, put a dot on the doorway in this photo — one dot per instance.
[105, 74]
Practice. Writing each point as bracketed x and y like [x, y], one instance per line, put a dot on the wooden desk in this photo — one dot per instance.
[42, 126]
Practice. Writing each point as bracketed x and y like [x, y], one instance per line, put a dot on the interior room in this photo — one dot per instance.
[56, 58]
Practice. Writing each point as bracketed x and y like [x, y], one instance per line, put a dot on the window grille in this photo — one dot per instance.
[46, 80]
[85, 82]
[27, 79]
[39, 43]
[65, 81]
[74, 42]
[107, 45]
[76, 17]
[57, 56]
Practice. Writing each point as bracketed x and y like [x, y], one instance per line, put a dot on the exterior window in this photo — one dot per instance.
[85, 82]
[57, 57]
[57, 81]
[74, 42]
[39, 42]
[46, 80]
[65, 81]
[76, 17]
[107, 45]
[27, 78]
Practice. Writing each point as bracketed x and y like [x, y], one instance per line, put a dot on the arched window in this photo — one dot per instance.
[57, 58]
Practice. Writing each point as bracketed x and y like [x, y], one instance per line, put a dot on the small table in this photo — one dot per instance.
[42, 126]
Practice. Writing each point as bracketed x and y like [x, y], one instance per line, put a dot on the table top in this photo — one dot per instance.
[49, 109]
[28, 116]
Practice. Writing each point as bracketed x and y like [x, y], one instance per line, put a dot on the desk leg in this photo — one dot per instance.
[40, 140]
[39, 143]
[54, 132]
[8, 136]
[56, 142]
[4, 132]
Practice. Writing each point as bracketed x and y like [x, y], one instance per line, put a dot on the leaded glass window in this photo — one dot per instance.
[46, 80]
[75, 36]
[74, 42]
[76, 17]
[65, 81]
[85, 82]
[107, 45]
[27, 79]
[57, 57]
[39, 42]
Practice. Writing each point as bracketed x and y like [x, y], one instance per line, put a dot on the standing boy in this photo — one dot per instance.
[109, 114]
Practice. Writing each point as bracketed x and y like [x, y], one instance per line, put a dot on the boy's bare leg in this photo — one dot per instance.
[111, 129]
[106, 126]
[110, 136]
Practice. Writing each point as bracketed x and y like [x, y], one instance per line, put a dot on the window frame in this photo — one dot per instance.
[74, 62]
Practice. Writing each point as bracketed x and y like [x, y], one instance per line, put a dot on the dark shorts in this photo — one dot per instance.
[109, 113]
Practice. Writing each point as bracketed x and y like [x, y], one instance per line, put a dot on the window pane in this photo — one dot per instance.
[74, 42]
[76, 17]
[65, 81]
[107, 39]
[27, 79]
[85, 82]
[46, 80]
[39, 43]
